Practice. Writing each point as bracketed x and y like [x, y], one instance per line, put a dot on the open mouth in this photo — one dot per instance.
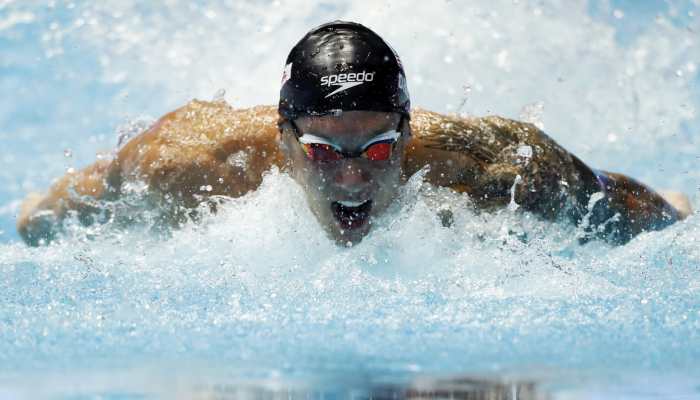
[351, 214]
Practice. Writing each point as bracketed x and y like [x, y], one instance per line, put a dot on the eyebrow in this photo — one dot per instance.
[308, 138]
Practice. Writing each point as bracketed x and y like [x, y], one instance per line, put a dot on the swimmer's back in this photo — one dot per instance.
[203, 148]
[206, 149]
[209, 148]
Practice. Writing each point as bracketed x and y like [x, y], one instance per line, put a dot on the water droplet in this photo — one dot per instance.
[533, 113]
[130, 129]
[512, 206]
[525, 151]
[67, 153]
[238, 159]
[219, 96]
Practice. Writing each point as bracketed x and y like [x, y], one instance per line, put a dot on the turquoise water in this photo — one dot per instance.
[258, 296]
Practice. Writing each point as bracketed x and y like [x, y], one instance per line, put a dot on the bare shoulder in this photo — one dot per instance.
[483, 139]
[454, 132]
[496, 160]
[203, 145]
[75, 191]
[199, 150]
[462, 151]
[196, 133]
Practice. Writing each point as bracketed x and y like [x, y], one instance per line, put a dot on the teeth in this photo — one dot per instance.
[352, 203]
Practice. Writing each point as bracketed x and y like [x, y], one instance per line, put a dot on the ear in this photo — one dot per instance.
[281, 142]
[406, 134]
[406, 126]
[287, 142]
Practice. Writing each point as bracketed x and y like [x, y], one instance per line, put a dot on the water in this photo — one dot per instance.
[258, 302]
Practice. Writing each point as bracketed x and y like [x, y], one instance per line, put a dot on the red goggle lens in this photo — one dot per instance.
[323, 152]
[378, 151]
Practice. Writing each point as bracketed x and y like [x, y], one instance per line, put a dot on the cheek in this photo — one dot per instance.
[384, 184]
[391, 177]
[389, 171]
[314, 180]
[302, 171]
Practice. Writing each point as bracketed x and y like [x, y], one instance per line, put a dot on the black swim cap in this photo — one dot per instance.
[342, 66]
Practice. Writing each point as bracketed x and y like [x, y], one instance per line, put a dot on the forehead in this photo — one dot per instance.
[349, 126]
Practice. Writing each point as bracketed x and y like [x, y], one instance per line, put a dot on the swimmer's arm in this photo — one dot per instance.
[41, 214]
[494, 160]
[552, 179]
[200, 150]
[500, 162]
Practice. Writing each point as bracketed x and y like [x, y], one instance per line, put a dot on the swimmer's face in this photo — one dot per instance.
[347, 193]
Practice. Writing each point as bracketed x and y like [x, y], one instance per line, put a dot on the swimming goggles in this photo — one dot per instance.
[379, 148]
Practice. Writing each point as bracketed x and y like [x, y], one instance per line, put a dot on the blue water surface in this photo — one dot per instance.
[259, 294]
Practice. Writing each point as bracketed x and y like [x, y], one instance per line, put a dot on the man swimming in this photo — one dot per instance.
[345, 132]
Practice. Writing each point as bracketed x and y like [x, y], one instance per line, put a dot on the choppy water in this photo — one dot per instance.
[259, 294]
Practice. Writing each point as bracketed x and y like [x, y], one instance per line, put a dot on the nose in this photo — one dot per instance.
[352, 177]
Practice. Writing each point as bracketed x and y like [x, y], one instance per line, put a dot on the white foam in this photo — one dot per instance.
[260, 285]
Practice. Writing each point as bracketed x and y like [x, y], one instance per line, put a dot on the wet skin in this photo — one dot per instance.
[350, 180]
[185, 160]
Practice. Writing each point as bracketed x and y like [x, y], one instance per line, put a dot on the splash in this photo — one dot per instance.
[259, 283]
[437, 287]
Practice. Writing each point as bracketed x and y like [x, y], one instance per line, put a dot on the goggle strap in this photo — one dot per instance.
[312, 139]
[389, 135]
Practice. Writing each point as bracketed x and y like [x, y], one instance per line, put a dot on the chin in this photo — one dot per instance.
[347, 222]
[344, 237]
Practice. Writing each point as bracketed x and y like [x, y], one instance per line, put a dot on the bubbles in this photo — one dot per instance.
[218, 288]
[16, 18]
[512, 205]
[219, 96]
[436, 286]
[533, 114]
[130, 129]
[259, 284]
[524, 151]
[239, 160]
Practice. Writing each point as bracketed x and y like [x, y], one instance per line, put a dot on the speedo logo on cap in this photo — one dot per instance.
[346, 81]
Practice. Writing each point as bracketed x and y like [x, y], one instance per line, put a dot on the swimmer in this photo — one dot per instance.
[345, 132]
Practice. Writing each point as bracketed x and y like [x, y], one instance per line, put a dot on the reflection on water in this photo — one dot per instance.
[427, 388]
[209, 382]
[614, 81]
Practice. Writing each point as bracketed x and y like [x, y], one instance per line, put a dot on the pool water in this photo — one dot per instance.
[257, 302]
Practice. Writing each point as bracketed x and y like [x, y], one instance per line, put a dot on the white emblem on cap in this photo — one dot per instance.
[287, 73]
[346, 81]
[402, 82]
